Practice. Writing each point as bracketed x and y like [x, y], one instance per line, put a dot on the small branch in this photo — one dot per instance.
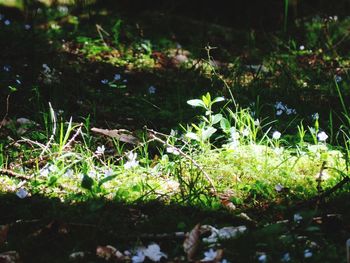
[7, 111]
[14, 174]
[100, 30]
[153, 136]
[327, 193]
[74, 137]
[319, 178]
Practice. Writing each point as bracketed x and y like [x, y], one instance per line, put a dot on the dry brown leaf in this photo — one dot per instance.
[10, 257]
[121, 135]
[4, 229]
[109, 252]
[228, 205]
[191, 242]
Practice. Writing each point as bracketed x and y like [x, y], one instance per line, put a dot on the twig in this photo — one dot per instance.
[153, 136]
[330, 191]
[7, 111]
[74, 137]
[319, 178]
[100, 30]
[14, 174]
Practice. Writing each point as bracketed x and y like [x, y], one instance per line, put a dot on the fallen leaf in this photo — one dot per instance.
[191, 242]
[10, 257]
[109, 252]
[121, 135]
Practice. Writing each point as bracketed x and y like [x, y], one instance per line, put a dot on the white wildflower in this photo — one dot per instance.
[131, 163]
[153, 253]
[209, 256]
[100, 150]
[139, 257]
[262, 258]
[307, 253]
[117, 77]
[151, 90]
[297, 218]
[276, 135]
[301, 47]
[322, 136]
[279, 187]
[279, 112]
[172, 150]
[285, 257]
[245, 132]
[22, 193]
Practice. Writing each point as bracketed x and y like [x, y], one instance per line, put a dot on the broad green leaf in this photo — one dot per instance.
[193, 136]
[218, 99]
[196, 103]
[225, 125]
[87, 182]
[207, 133]
[216, 118]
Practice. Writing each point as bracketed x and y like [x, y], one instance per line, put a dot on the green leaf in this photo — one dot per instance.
[196, 103]
[216, 118]
[192, 136]
[87, 182]
[207, 99]
[207, 133]
[218, 99]
[225, 125]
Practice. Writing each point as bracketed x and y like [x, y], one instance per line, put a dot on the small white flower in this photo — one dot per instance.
[153, 253]
[22, 193]
[139, 257]
[44, 172]
[131, 163]
[262, 258]
[209, 255]
[301, 47]
[7, 68]
[297, 218]
[117, 77]
[104, 81]
[279, 112]
[307, 253]
[279, 106]
[18, 81]
[290, 111]
[257, 122]
[279, 187]
[338, 78]
[315, 116]
[245, 132]
[100, 150]
[27, 26]
[7, 22]
[276, 135]
[172, 150]
[68, 173]
[151, 90]
[108, 172]
[285, 257]
[322, 136]
[24, 121]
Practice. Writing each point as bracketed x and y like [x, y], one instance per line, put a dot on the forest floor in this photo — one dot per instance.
[143, 135]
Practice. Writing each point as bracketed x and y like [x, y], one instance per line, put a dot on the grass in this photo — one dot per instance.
[221, 143]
